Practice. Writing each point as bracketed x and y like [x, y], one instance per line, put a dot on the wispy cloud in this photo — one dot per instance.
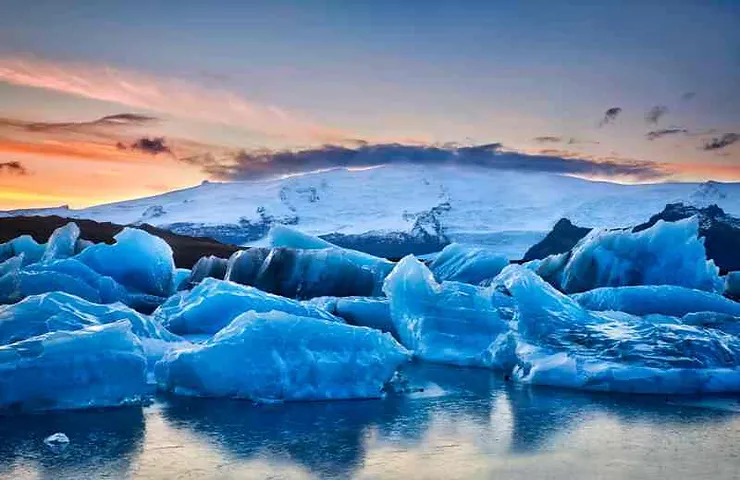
[654, 114]
[718, 143]
[664, 132]
[548, 139]
[260, 164]
[688, 96]
[152, 146]
[13, 168]
[166, 95]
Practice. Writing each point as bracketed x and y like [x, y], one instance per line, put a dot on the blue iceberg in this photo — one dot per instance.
[276, 356]
[213, 304]
[138, 260]
[467, 264]
[210, 266]
[372, 312]
[62, 243]
[307, 274]
[453, 323]
[26, 245]
[562, 344]
[286, 237]
[664, 254]
[656, 299]
[99, 366]
[732, 285]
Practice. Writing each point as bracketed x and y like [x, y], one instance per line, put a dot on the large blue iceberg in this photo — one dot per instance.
[453, 323]
[99, 366]
[278, 356]
[24, 245]
[467, 264]
[62, 243]
[307, 274]
[561, 343]
[664, 254]
[137, 260]
[213, 304]
[656, 299]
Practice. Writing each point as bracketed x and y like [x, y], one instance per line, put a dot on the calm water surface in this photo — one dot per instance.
[465, 424]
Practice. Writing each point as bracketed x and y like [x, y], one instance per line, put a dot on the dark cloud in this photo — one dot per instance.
[610, 116]
[117, 120]
[718, 143]
[548, 139]
[14, 168]
[664, 132]
[688, 96]
[654, 114]
[152, 146]
[260, 164]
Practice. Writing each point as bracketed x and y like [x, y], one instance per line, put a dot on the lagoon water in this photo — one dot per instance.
[464, 424]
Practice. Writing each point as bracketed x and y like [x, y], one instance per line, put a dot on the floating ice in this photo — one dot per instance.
[57, 442]
[373, 312]
[286, 237]
[452, 322]
[309, 273]
[278, 356]
[26, 245]
[562, 344]
[62, 243]
[213, 304]
[99, 366]
[467, 264]
[210, 266]
[182, 275]
[664, 254]
[656, 299]
[137, 260]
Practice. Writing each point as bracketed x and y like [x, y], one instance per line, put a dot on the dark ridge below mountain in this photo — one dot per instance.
[563, 236]
[187, 250]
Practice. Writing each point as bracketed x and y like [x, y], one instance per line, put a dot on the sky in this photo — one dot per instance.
[104, 101]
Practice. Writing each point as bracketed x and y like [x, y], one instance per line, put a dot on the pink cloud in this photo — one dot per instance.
[167, 95]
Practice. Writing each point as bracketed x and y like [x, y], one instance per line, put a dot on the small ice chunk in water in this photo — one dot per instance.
[278, 356]
[57, 442]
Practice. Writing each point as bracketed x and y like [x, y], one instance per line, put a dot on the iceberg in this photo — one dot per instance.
[138, 260]
[210, 266]
[453, 323]
[99, 366]
[307, 274]
[286, 237]
[560, 343]
[62, 243]
[182, 276]
[372, 312]
[26, 245]
[656, 299]
[277, 356]
[467, 264]
[732, 285]
[664, 254]
[213, 304]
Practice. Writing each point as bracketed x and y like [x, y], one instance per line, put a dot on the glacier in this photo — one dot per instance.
[213, 304]
[277, 356]
[467, 264]
[664, 254]
[98, 366]
[452, 322]
[656, 299]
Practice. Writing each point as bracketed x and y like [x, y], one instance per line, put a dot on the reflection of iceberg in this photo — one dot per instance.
[99, 366]
[562, 344]
[278, 356]
[664, 254]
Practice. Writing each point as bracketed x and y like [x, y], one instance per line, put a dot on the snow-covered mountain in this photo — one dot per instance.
[510, 210]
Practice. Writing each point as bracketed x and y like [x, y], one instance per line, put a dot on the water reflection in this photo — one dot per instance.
[102, 443]
[461, 422]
